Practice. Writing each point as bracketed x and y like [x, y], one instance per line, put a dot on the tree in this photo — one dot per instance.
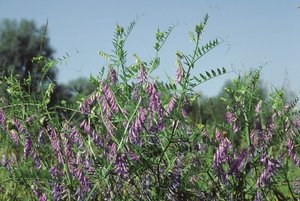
[19, 43]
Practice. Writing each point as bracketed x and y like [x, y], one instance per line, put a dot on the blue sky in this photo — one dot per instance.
[255, 33]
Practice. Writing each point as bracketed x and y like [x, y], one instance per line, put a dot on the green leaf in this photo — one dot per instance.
[213, 73]
[203, 76]
[104, 55]
[208, 74]
[223, 70]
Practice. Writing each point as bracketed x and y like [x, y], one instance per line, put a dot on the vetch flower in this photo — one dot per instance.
[137, 126]
[178, 73]
[2, 119]
[85, 107]
[18, 125]
[55, 143]
[112, 152]
[175, 179]
[27, 146]
[237, 164]
[14, 136]
[220, 156]
[57, 191]
[270, 168]
[36, 160]
[257, 196]
[112, 74]
[109, 97]
[5, 163]
[231, 119]
[85, 125]
[142, 78]
[171, 105]
[121, 169]
[292, 152]
[55, 172]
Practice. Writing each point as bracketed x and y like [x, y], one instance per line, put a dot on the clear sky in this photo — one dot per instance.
[255, 33]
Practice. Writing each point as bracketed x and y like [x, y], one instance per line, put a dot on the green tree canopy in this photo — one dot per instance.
[20, 41]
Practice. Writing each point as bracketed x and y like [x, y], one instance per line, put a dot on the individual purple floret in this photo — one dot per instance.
[137, 126]
[27, 146]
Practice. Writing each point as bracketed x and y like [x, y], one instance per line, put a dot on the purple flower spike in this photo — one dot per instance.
[221, 156]
[178, 74]
[36, 160]
[2, 120]
[218, 136]
[176, 179]
[137, 126]
[292, 152]
[18, 125]
[171, 105]
[110, 97]
[270, 168]
[231, 119]
[121, 167]
[55, 142]
[228, 117]
[5, 163]
[238, 163]
[14, 136]
[112, 152]
[85, 107]
[112, 75]
[143, 75]
[27, 147]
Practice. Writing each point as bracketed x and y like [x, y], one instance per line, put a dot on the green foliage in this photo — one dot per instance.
[132, 137]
